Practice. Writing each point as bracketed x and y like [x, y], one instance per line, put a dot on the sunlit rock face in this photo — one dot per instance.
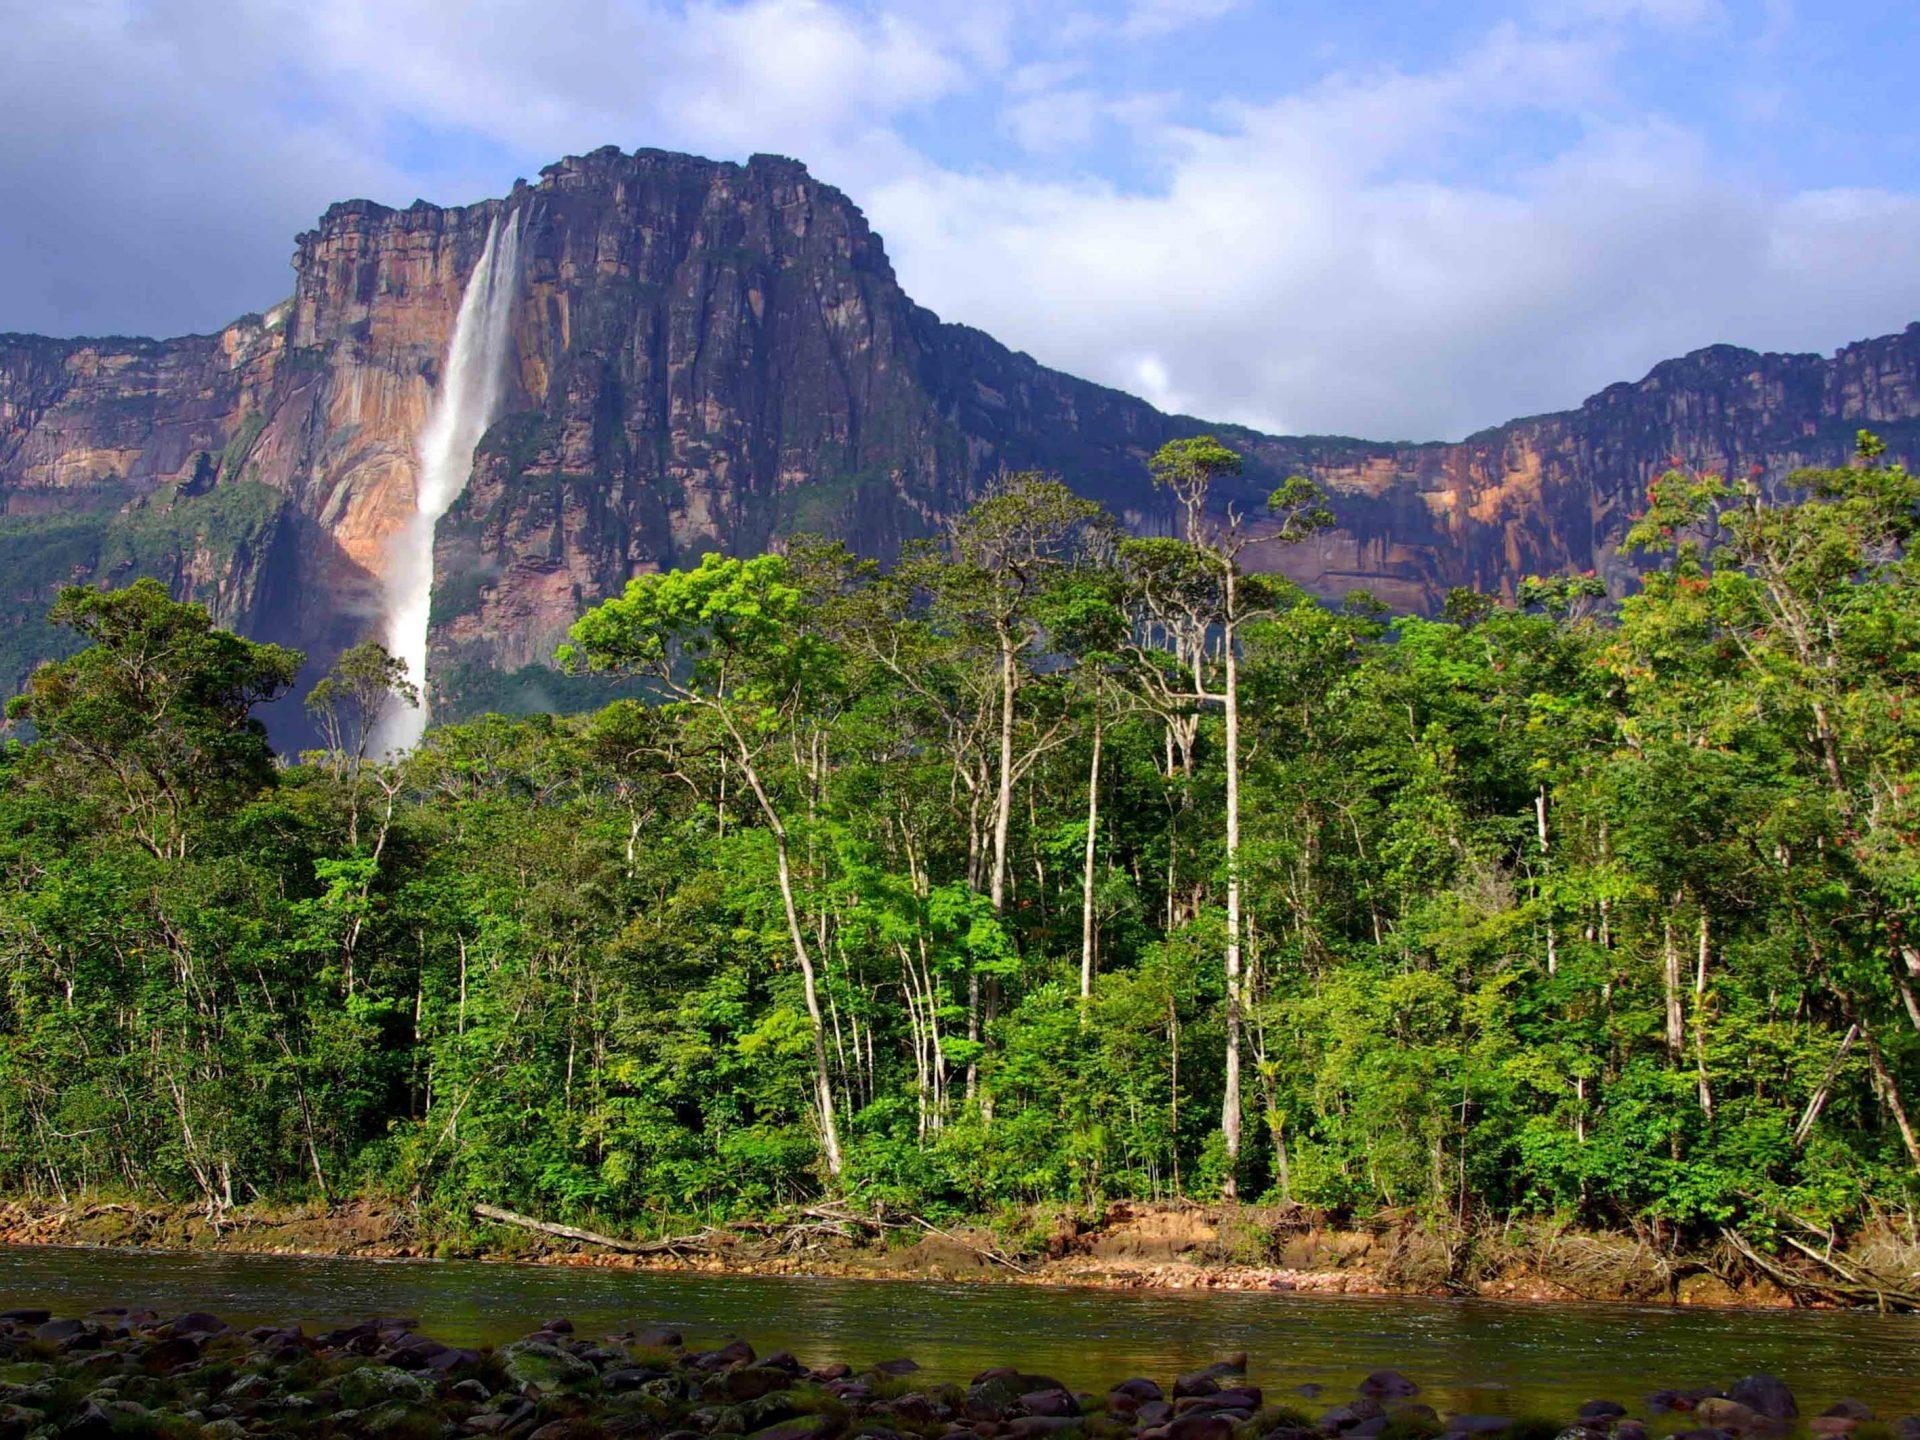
[1556, 492]
[704, 355]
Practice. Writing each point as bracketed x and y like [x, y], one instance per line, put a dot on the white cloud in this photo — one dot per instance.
[1665, 14]
[153, 179]
[1043, 75]
[1054, 124]
[726, 76]
[1151, 19]
[1137, 21]
[1289, 274]
[1054, 121]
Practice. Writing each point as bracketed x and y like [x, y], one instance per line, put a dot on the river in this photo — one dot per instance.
[1469, 1355]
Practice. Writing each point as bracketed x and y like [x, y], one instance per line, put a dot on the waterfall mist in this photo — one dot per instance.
[466, 403]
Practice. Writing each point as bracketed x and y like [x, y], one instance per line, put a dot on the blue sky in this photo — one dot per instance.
[1399, 220]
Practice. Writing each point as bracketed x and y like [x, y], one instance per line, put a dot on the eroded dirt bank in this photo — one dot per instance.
[1185, 1247]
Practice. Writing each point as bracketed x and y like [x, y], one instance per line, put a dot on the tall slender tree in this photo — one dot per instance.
[730, 641]
[1202, 598]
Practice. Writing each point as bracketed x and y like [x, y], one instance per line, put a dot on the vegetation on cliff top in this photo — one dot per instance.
[182, 536]
[1027, 870]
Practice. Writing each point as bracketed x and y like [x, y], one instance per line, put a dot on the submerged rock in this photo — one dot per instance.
[196, 1322]
[194, 1378]
[1766, 1396]
[1201, 1427]
[375, 1385]
[1388, 1385]
[749, 1382]
[734, 1352]
[1048, 1402]
[544, 1366]
[800, 1427]
[1722, 1414]
[1023, 1426]
[1682, 1401]
[1344, 1417]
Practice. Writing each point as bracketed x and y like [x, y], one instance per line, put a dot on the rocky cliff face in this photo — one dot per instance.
[707, 356]
[1555, 492]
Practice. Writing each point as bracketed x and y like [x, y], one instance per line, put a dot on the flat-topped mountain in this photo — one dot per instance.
[703, 355]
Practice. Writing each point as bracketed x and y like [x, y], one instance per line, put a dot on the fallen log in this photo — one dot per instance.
[1847, 1289]
[991, 1254]
[671, 1244]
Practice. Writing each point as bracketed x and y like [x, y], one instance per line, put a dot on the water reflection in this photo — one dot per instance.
[1468, 1354]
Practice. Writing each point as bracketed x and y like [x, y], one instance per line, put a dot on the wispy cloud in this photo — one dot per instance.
[1151, 19]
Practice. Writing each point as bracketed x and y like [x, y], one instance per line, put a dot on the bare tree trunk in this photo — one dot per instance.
[1003, 797]
[1675, 1033]
[973, 1031]
[839, 1036]
[1173, 1085]
[922, 1072]
[1230, 1100]
[1086, 874]
[822, 1080]
[589, 1237]
[1911, 958]
[936, 1058]
[1002, 819]
[306, 1115]
[1173, 832]
[1700, 1021]
[1606, 907]
[1540, 814]
[1276, 1125]
[390, 785]
[1892, 1089]
[1824, 1088]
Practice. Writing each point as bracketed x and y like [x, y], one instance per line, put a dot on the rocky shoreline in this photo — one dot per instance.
[133, 1374]
[1170, 1247]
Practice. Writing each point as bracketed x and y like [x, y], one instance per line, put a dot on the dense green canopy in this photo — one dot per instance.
[1547, 907]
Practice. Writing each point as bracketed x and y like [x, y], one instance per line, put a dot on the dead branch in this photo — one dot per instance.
[1844, 1287]
[672, 1244]
[993, 1255]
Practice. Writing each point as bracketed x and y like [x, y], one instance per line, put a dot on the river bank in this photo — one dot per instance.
[1153, 1247]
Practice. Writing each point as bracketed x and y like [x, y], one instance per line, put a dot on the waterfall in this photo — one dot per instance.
[471, 389]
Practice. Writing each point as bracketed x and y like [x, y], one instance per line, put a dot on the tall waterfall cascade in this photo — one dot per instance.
[468, 400]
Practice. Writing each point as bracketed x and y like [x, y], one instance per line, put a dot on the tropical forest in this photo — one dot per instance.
[1045, 869]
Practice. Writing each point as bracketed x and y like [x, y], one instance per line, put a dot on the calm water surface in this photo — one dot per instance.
[1470, 1355]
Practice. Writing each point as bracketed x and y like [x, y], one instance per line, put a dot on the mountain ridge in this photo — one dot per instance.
[709, 354]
